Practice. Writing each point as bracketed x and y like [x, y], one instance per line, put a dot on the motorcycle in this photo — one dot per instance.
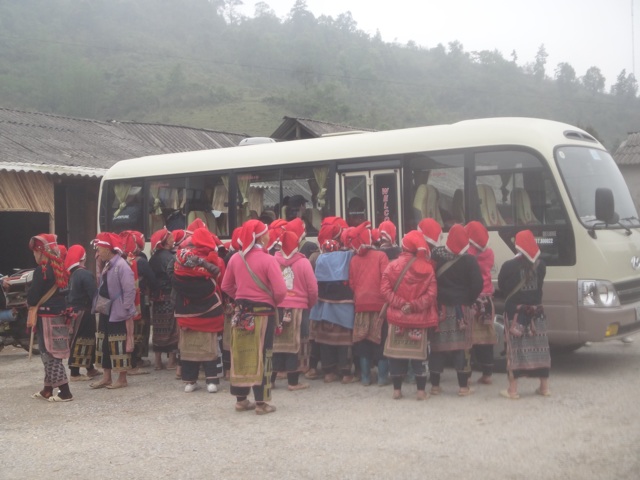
[14, 310]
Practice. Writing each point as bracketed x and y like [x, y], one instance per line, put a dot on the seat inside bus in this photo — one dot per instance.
[489, 207]
[426, 201]
[207, 217]
[522, 206]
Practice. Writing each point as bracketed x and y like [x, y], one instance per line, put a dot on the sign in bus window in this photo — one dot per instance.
[385, 198]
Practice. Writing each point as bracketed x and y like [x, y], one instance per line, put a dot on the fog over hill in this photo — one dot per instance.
[200, 63]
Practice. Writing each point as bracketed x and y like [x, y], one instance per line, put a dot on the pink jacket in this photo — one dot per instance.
[302, 286]
[239, 284]
[485, 261]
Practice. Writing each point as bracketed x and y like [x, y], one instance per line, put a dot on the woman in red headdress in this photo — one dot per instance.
[46, 295]
[290, 345]
[254, 280]
[459, 284]
[145, 281]
[521, 280]
[115, 304]
[409, 285]
[165, 330]
[198, 309]
[365, 275]
[483, 333]
[82, 290]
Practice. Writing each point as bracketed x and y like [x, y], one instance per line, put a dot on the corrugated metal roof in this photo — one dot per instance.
[60, 144]
[628, 152]
[299, 128]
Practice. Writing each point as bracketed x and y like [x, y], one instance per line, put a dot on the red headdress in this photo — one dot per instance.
[527, 245]
[203, 241]
[388, 231]
[360, 237]
[276, 228]
[47, 244]
[345, 237]
[431, 230]
[63, 252]
[290, 243]
[297, 226]
[193, 226]
[178, 236]
[375, 236]
[132, 242]
[251, 231]
[414, 242]
[234, 239]
[75, 255]
[158, 238]
[108, 240]
[457, 240]
[329, 246]
[478, 235]
[331, 228]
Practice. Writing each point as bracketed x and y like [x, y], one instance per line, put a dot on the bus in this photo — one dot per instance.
[508, 173]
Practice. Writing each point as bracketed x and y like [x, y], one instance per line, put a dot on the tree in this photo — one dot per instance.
[229, 11]
[565, 75]
[626, 86]
[541, 61]
[593, 80]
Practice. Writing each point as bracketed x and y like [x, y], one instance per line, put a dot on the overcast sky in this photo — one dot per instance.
[583, 33]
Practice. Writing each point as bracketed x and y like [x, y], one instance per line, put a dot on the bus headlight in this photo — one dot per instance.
[597, 293]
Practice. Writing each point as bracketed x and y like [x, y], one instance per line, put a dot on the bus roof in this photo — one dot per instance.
[539, 134]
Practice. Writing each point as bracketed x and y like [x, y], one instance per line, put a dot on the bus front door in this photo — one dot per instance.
[372, 195]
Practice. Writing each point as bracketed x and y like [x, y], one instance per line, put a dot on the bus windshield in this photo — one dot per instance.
[584, 170]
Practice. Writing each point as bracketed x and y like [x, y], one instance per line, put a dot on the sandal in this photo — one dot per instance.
[397, 395]
[300, 386]
[511, 396]
[245, 406]
[465, 392]
[264, 409]
[58, 398]
[435, 391]
[39, 395]
[311, 374]
[422, 395]
[94, 373]
[544, 394]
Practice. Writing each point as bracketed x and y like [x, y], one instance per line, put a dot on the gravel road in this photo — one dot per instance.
[588, 429]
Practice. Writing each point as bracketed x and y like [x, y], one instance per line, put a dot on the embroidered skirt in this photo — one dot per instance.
[111, 345]
[165, 328]
[453, 331]
[409, 344]
[528, 353]
[83, 340]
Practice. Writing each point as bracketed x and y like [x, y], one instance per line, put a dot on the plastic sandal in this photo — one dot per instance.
[58, 398]
[264, 409]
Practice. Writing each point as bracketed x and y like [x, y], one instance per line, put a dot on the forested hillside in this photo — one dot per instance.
[196, 62]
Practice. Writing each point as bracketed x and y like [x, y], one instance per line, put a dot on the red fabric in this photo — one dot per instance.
[178, 236]
[457, 240]
[527, 245]
[196, 224]
[47, 244]
[388, 231]
[359, 238]
[75, 255]
[345, 237]
[431, 230]
[158, 238]
[251, 231]
[290, 243]
[109, 240]
[133, 263]
[62, 250]
[478, 234]
[234, 238]
[365, 278]
[297, 226]
[276, 228]
[200, 324]
[418, 289]
[43, 241]
[331, 228]
[485, 262]
[203, 240]
[375, 236]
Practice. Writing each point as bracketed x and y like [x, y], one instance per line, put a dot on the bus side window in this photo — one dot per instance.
[126, 209]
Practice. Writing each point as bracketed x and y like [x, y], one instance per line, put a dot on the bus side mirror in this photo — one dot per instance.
[605, 207]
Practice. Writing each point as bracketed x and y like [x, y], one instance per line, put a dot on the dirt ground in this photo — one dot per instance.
[588, 429]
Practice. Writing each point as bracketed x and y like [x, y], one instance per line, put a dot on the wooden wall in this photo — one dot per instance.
[27, 192]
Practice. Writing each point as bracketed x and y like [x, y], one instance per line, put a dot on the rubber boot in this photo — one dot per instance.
[365, 368]
[383, 372]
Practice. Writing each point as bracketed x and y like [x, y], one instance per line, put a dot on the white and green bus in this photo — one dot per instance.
[509, 173]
